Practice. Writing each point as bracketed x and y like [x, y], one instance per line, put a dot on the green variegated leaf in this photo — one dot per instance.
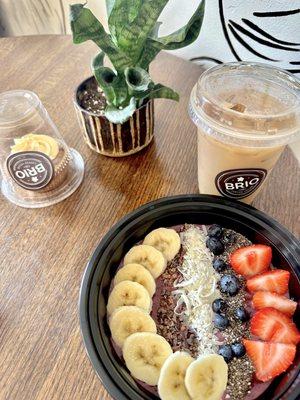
[123, 12]
[134, 35]
[163, 92]
[151, 48]
[121, 90]
[155, 30]
[97, 61]
[113, 86]
[119, 116]
[181, 38]
[187, 34]
[105, 78]
[157, 91]
[85, 26]
[137, 79]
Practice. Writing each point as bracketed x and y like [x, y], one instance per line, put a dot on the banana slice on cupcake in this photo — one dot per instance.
[127, 320]
[171, 384]
[206, 377]
[149, 257]
[136, 273]
[129, 293]
[167, 241]
[144, 355]
[33, 142]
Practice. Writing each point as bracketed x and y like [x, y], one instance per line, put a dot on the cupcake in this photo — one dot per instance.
[56, 156]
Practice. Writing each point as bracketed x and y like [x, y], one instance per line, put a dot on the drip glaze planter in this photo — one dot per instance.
[167, 212]
[114, 140]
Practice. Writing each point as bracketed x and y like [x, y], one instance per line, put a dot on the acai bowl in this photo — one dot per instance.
[240, 249]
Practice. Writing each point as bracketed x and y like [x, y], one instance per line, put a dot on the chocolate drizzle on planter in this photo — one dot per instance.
[105, 137]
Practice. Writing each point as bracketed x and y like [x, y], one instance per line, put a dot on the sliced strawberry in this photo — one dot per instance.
[251, 260]
[269, 359]
[274, 326]
[269, 299]
[272, 281]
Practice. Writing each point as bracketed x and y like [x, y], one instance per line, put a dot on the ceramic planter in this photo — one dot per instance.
[115, 140]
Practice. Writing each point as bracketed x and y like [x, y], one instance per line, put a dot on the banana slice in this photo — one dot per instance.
[144, 354]
[206, 378]
[171, 384]
[165, 240]
[128, 293]
[128, 320]
[148, 257]
[32, 142]
[136, 273]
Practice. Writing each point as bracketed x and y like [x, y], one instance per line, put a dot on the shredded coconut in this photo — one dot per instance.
[198, 288]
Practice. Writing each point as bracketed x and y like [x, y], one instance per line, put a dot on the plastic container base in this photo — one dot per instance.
[72, 182]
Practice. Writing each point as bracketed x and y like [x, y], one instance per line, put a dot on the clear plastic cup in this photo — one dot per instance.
[246, 113]
[38, 168]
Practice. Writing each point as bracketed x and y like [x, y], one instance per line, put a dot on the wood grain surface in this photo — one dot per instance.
[44, 252]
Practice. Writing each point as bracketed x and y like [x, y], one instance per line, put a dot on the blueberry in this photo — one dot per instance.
[238, 349]
[215, 231]
[215, 246]
[219, 306]
[229, 284]
[221, 321]
[226, 352]
[228, 238]
[241, 314]
[219, 264]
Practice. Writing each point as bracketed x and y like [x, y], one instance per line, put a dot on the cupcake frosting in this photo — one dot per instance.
[33, 142]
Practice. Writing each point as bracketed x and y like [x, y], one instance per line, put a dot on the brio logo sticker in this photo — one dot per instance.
[31, 170]
[239, 183]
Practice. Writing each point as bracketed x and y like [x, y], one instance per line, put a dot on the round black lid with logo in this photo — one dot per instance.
[32, 170]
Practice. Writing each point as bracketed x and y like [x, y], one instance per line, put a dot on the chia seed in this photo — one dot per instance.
[240, 370]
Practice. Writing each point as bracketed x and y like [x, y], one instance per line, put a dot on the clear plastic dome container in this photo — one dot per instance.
[38, 168]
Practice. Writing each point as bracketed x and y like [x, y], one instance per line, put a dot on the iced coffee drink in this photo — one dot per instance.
[246, 113]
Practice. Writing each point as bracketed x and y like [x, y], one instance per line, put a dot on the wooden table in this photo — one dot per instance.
[43, 252]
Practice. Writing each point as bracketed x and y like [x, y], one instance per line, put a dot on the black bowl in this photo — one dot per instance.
[170, 211]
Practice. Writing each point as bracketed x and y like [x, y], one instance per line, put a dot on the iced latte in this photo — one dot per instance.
[246, 113]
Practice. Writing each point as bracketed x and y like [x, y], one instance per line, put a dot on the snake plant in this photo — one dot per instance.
[131, 45]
